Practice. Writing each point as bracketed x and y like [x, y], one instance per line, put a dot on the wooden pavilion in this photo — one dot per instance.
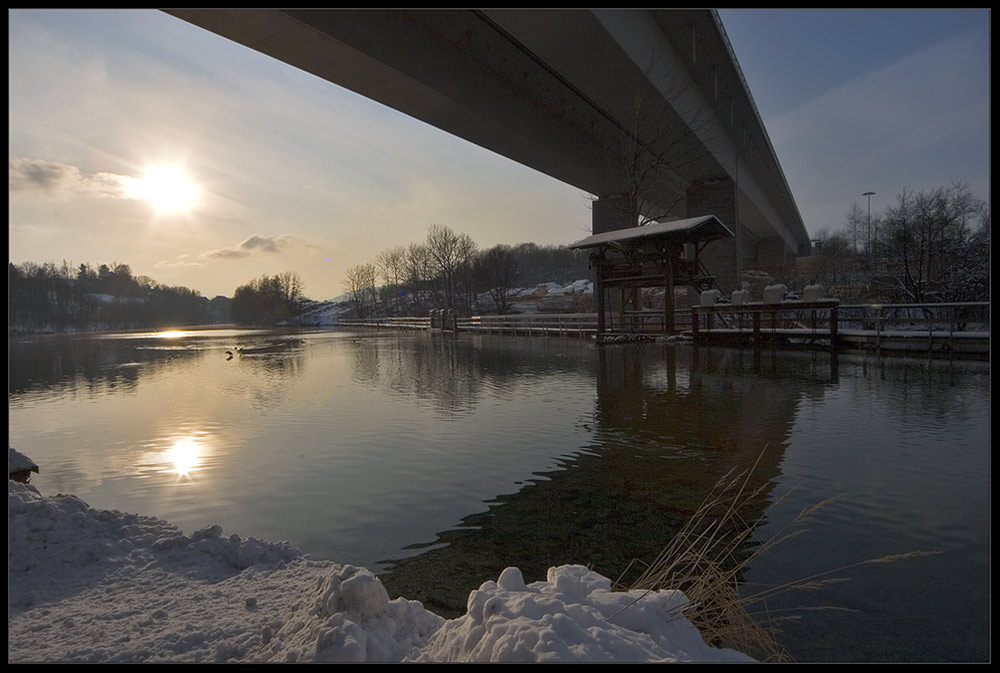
[660, 255]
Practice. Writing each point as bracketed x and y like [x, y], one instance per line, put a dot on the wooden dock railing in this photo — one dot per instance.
[759, 321]
[950, 327]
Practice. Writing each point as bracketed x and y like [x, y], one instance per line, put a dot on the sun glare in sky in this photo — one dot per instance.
[167, 188]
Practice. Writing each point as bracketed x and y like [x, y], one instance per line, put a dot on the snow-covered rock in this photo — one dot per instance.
[19, 466]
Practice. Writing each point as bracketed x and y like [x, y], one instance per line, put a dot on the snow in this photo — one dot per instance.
[89, 585]
[18, 462]
[546, 297]
[572, 616]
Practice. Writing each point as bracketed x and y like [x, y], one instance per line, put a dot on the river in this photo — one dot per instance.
[437, 460]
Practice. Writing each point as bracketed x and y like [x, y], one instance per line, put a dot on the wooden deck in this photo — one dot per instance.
[935, 329]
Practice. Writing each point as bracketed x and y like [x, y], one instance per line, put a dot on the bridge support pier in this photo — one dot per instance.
[717, 197]
[613, 212]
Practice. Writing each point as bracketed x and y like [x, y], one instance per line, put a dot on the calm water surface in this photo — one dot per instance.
[438, 460]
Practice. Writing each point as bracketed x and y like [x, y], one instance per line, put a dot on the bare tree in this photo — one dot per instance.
[268, 299]
[496, 269]
[359, 283]
[292, 287]
[370, 281]
[419, 277]
[838, 258]
[658, 143]
[391, 264]
[449, 252]
[925, 234]
[854, 226]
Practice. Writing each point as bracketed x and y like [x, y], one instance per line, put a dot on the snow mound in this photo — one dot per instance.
[360, 623]
[572, 616]
[101, 586]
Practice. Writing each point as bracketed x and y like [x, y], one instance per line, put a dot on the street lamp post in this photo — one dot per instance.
[869, 227]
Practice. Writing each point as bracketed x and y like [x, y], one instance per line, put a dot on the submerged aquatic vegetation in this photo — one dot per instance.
[706, 560]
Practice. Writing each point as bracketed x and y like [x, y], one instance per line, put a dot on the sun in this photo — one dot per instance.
[168, 188]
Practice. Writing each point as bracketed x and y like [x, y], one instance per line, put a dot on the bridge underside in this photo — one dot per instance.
[644, 109]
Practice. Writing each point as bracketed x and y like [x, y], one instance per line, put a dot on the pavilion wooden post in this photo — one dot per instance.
[646, 257]
[621, 309]
[833, 328]
[599, 292]
[668, 290]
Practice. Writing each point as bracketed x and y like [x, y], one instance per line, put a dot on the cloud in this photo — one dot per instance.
[256, 244]
[181, 262]
[63, 180]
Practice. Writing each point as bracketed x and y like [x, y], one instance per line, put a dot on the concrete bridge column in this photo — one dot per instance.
[772, 252]
[614, 212]
[717, 197]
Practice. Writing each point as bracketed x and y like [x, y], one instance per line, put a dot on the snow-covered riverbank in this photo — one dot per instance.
[91, 585]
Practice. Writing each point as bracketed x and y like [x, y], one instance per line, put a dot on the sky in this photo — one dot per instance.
[135, 137]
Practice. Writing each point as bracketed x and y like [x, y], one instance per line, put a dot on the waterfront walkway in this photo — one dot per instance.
[952, 329]
[936, 329]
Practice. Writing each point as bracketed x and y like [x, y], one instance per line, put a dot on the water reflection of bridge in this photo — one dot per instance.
[667, 425]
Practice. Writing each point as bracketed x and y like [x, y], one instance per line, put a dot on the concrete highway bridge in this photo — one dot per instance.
[647, 110]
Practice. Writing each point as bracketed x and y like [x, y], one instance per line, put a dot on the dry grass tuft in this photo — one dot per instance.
[706, 558]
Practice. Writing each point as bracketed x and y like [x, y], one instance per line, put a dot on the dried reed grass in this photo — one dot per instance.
[707, 557]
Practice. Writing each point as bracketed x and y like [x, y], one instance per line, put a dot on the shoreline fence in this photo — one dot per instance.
[958, 328]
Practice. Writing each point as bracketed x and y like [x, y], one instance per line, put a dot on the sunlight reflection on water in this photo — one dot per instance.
[185, 456]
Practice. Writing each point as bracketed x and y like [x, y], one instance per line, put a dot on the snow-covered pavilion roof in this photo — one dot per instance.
[690, 230]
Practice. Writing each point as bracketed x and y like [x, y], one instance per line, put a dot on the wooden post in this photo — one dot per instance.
[599, 292]
[833, 328]
[668, 296]
[878, 332]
